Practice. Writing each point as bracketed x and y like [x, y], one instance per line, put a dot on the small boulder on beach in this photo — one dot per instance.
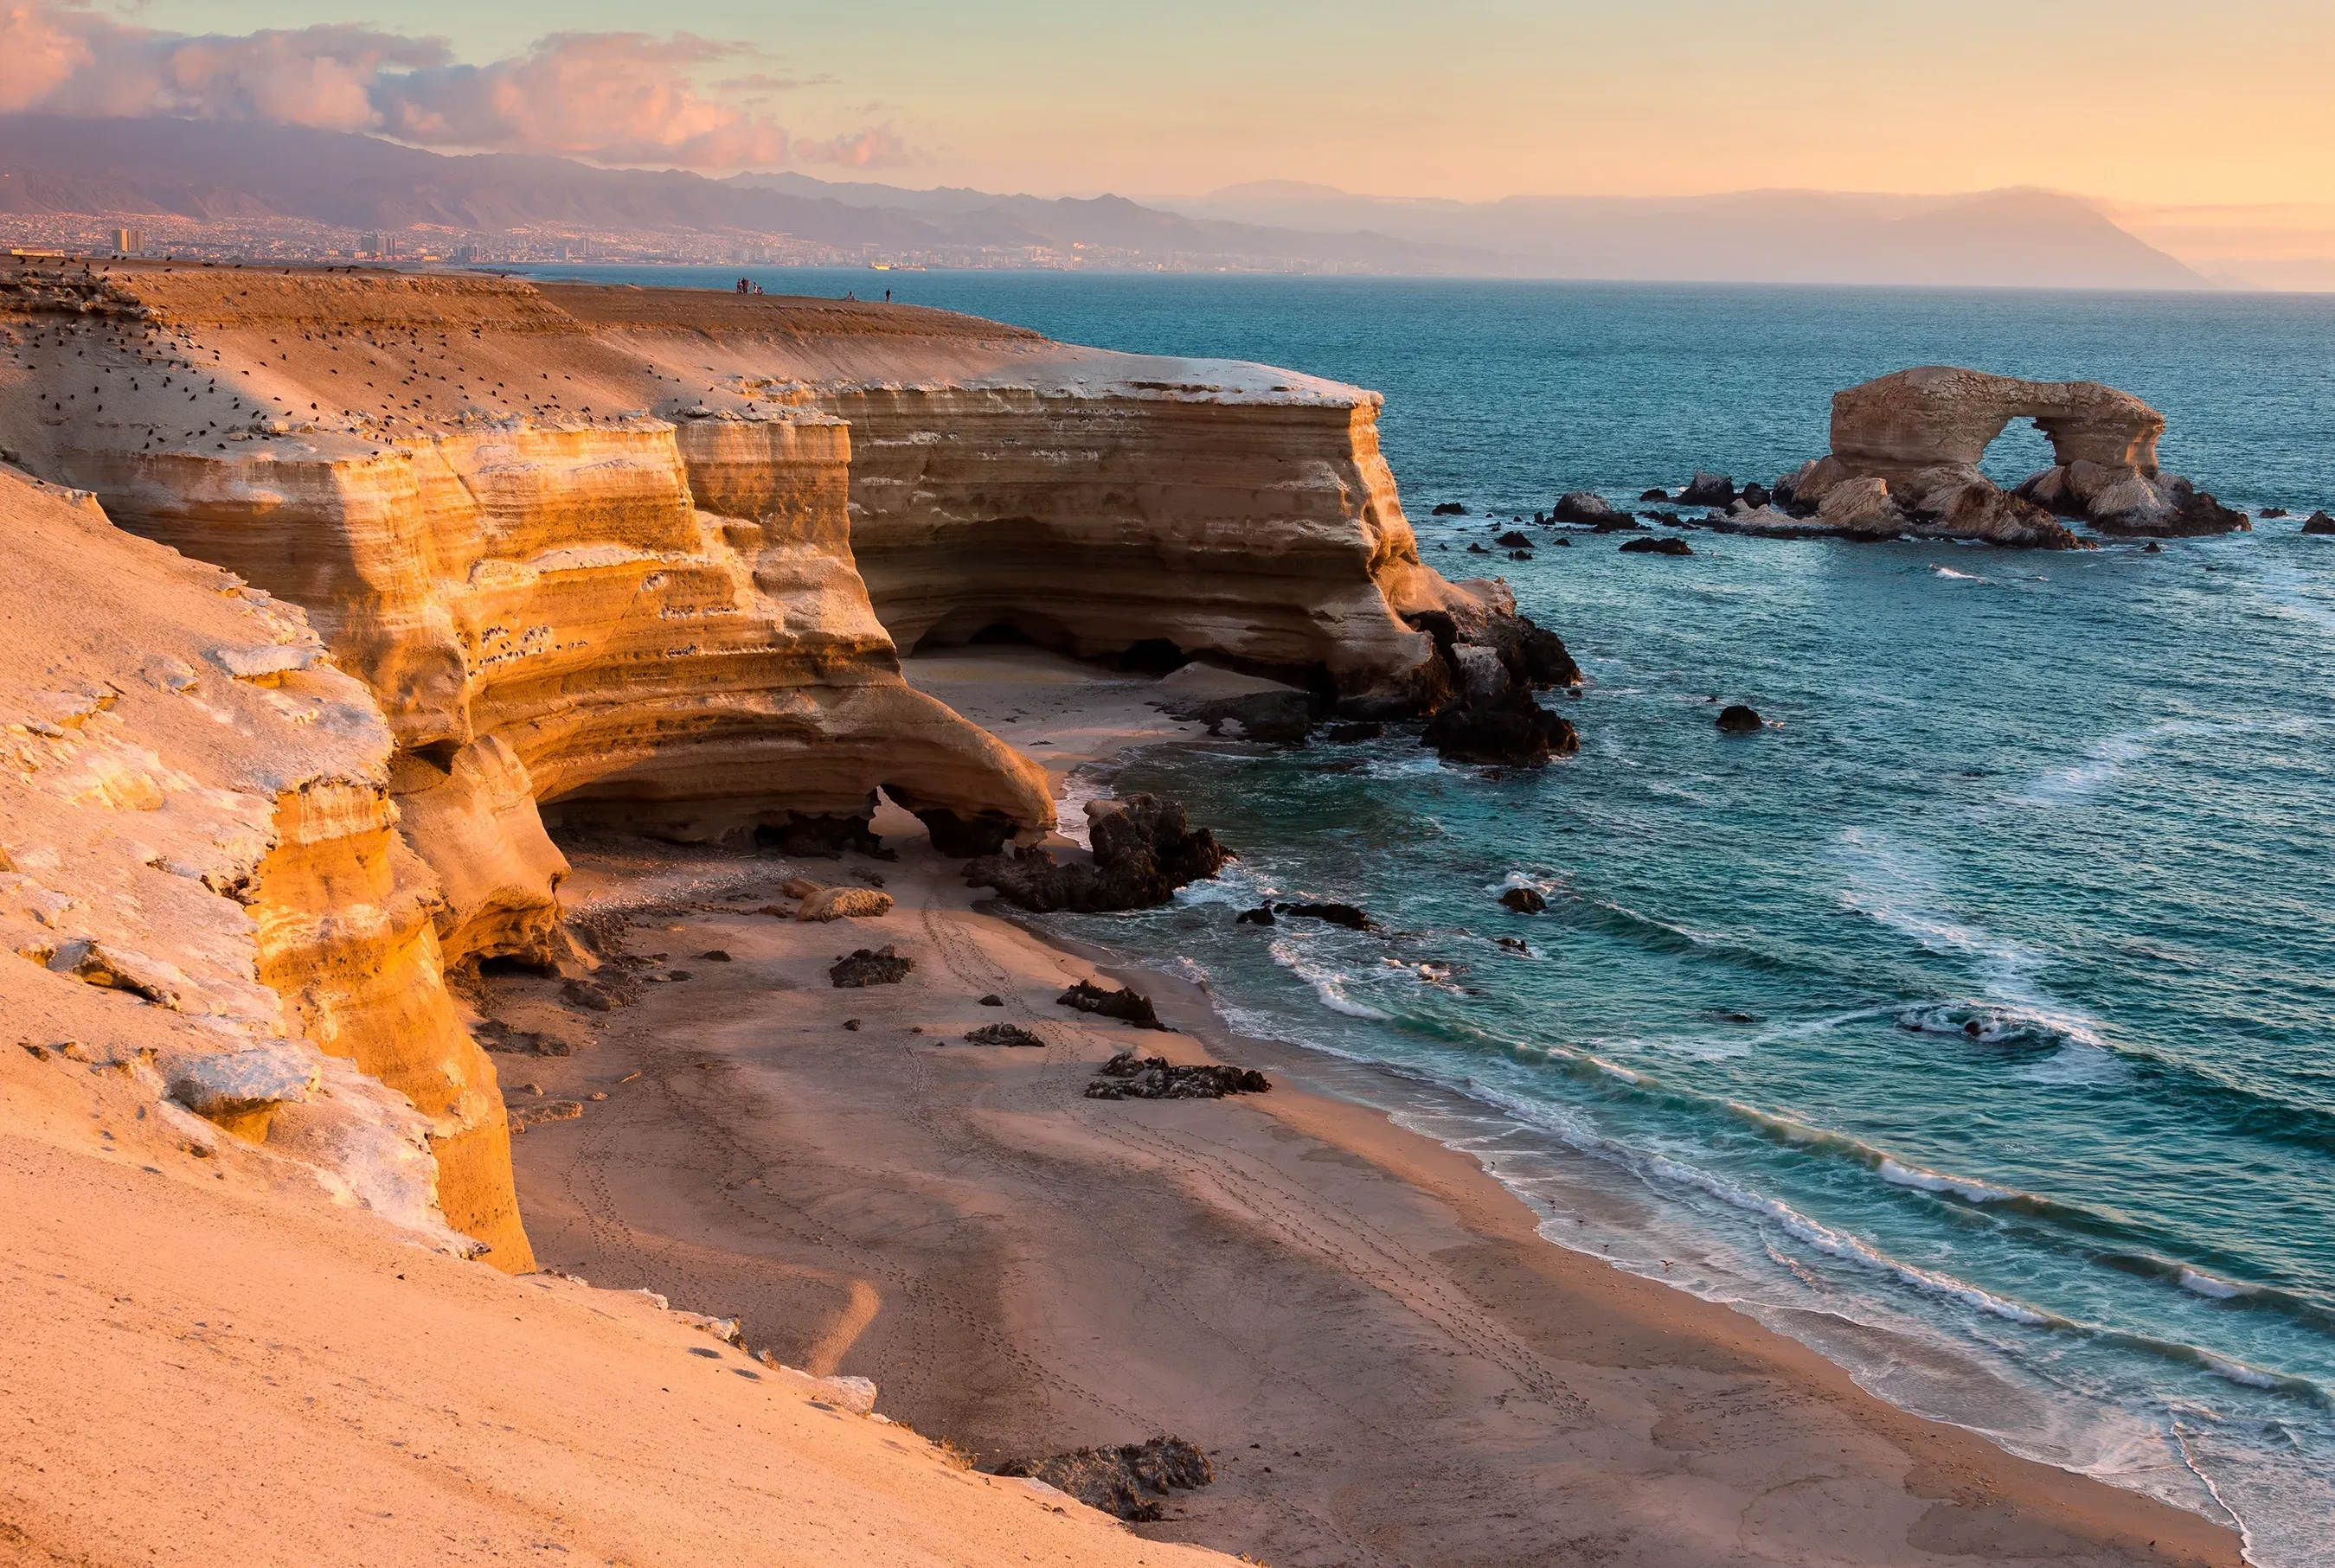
[1126, 1006]
[1130, 1077]
[867, 966]
[1130, 1481]
[1003, 1035]
[1736, 718]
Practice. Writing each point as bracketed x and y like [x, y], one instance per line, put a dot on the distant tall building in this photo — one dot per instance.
[371, 245]
[466, 254]
[130, 241]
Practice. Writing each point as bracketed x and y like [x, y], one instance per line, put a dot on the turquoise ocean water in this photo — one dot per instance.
[1976, 1021]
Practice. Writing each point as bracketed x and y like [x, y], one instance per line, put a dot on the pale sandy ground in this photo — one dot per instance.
[1386, 1361]
[205, 1364]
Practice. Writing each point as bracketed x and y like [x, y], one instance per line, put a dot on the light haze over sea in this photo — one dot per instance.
[1975, 1022]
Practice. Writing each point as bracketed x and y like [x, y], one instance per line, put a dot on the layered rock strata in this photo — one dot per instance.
[596, 554]
[200, 883]
[1906, 448]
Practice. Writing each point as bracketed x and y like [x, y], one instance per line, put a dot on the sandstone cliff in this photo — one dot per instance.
[199, 883]
[597, 555]
[1906, 448]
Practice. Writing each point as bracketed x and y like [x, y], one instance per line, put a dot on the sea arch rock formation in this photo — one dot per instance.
[1906, 450]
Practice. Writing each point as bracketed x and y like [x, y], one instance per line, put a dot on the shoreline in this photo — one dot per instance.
[1022, 1271]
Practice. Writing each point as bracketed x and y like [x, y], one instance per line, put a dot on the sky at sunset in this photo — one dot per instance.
[2143, 101]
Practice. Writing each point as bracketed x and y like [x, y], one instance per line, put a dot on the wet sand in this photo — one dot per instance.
[1385, 1360]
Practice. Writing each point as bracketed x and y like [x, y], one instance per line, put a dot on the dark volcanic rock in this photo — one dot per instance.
[1669, 545]
[1344, 915]
[1130, 1077]
[1708, 489]
[1261, 915]
[985, 834]
[1586, 506]
[1523, 900]
[1126, 1006]
[871, 966]
[992, 1000]
[1279, 716]
[2319, 523]
[1735, 719]
[1756, 495]
[1515, 540]
[1127, 1480]
[2272, 512]
[1144, 850]
[1514, 732]
[1352, 734]
[821, 839]
[1450, 509]
[1003, 1035]
[1654, 495]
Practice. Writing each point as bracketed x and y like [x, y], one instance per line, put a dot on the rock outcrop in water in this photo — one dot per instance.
[1906, 448]
[1144, 850]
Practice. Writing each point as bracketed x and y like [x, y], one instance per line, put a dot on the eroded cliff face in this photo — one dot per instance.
[603, 556]
[594, 613]
[200, 885]
[609, 551]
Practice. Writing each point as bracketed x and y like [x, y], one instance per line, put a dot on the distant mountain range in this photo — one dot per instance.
[230, 171]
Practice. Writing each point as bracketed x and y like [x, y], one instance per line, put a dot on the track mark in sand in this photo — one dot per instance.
[826, 1353]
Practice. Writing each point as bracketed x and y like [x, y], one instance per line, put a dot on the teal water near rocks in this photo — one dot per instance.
[1974, 1020]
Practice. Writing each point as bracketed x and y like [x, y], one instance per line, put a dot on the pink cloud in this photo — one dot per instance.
[613, 98]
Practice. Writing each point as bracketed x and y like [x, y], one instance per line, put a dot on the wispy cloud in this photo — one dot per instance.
[615, 98]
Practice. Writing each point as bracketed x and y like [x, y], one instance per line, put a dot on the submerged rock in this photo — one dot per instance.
[1736, 718]
[1654, 495]
[1130, 1077]
[871, 966]
[1144, 850]
[1450, 509]
[1261, 915]
[1344, 915]
[1126, 1006]
[2319, 523]
[1523, 900]
[1353, 734]
[1128, 1481]
[1668, 545]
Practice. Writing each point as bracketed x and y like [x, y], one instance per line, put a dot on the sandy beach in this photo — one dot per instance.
[1384, 1359]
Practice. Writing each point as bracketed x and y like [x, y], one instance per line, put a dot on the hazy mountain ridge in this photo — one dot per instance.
[221, 172]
